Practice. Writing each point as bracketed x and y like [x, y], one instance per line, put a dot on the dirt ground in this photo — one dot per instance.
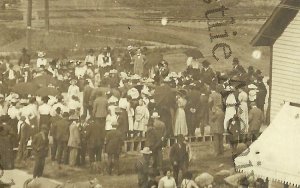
[203, 161]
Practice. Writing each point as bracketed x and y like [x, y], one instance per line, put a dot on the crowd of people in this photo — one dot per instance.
[97, 103]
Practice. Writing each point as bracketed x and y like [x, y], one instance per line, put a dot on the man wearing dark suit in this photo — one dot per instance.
[40, 144]
[155, 138]
[99, 113]
[261, 94]
[113, 149]
[62, 136]
[217, 129]
[53, 132]
[87, 91]
[23, 137]
[237, 69]
[94, 144]
[207, 74]
[192, 110]
[256, 119]
[179, 157]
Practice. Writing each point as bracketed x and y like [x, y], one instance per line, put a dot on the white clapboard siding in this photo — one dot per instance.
[286, 67]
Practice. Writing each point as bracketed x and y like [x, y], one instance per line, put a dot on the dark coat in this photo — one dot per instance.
[62, 132]
[87, 91]
[234, 129]
[193, 100]
[207, 75]
[123, 125]
[40, 144]
[261, 95]
[25, 132]
[256, 119]
[92, 135]
[114, 142]
[100, 107]
[178, 154]
[217, 122]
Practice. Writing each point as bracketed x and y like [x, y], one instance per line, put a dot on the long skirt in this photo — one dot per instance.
[243, 114]
[180, 123]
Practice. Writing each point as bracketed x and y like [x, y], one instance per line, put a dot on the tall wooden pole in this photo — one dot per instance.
[47, 16]
[28, 29]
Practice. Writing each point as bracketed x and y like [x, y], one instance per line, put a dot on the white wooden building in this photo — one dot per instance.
[282, 33]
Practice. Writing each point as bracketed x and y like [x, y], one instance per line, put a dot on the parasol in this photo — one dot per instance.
[25, 88]
[45, 80]
[45, 91]
[195, 53]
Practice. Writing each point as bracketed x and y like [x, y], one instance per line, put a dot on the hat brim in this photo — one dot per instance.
[146, 153]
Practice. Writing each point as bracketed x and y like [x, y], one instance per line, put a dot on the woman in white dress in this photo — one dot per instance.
[73, 89]
[180, 117]
[243, 109]
[230, 106]
[141, 118]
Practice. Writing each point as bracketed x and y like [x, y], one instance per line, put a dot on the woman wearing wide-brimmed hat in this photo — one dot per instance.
[180, 116]
[73, 89]
[230, 103]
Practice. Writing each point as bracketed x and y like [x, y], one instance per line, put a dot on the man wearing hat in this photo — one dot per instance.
[207, 74]
[24, 59]
[128, 59]
[155, 138]
[61, 136]
[40, 144]
[237, 69]
[138, 63]
[104, 61]
[24, 133]
[41, 60]
[261, 94]
[179, 157]
[256, 119]
[217, 128]
[142, 167]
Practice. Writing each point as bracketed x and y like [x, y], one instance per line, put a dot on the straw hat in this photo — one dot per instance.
[155, 115]
[129, 48]
[41, 54]
[134, 93]
[113, 71]
[146, 151]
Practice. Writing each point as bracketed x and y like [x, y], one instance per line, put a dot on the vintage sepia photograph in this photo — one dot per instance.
[149, 94]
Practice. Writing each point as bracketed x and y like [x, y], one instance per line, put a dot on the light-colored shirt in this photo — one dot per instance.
[73, 90]
[102, 63]
[80, 71]
[166, 182]
[90, 59]
[44, 109]
[13, 112]
[40, 62]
